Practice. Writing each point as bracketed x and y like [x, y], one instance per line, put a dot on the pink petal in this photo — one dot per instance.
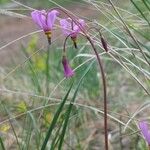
[77, 28]
[68, 72]
[51, 18]
[43, 21]
[39, 17]
[144, 129]
[36, 18]
[66, 26]
[82, 22]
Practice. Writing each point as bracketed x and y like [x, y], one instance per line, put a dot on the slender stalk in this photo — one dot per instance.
[148, 147]
[47, 70]
[104, 85]
[120, 134]
[104, 92]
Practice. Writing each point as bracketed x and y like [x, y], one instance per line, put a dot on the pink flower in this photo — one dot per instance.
[145, 131]
[70, 28]
[68, 72]
[45, 20]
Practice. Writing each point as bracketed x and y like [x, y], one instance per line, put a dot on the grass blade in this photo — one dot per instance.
[140, 33]
[146, 5]
[55, 140]
[34, 77]
[56, 116]
[140, 12]
[70, 107]
[36, 130]
[2, 144]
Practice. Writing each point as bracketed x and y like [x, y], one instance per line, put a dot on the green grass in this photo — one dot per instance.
[49, 3]
[3, 1]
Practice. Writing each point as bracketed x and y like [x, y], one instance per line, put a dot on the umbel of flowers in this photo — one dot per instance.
[72, 26]
[45, 21]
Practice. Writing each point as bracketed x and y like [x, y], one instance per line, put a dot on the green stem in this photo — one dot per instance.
[47, 70]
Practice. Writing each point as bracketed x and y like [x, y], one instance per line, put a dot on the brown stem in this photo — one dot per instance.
[104, 86]
[64, 46]
[104, 90]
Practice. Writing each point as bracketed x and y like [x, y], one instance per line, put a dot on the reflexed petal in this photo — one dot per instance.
[43, 21]
[51, 18]
[66, 26]
[36, 18]
[76, 28]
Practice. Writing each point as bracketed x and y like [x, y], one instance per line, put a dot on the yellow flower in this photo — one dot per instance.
[4, 127]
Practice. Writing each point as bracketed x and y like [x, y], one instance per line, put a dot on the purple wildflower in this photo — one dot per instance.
[68, 72]
[45, 20]
[70, 28]
[145, 131]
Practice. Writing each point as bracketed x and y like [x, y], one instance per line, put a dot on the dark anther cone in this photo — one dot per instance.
[74, 39]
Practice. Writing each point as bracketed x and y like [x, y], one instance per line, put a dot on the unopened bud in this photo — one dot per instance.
[68, 72]
[104, 44]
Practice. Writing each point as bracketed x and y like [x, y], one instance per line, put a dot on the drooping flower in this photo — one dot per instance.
[68, 72]
[70, 28]
[45, 20]
[145, 131]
